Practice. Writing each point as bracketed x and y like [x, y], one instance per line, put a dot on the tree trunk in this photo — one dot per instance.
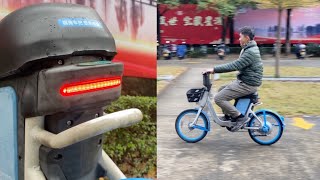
[223, 35]
[278, 50]
[231, 30]
[288, 32]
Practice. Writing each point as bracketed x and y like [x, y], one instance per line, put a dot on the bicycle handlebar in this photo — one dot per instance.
[206, 80]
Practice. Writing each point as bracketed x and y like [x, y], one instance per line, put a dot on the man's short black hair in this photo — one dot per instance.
[247, 31]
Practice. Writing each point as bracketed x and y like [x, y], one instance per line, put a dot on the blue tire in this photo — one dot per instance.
[191, 135]
[271, 133]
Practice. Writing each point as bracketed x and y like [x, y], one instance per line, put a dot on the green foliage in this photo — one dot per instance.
[269, 50]
[211, 50]
[170, 3]
[226, 7]
[134, 149]
[313, 49]
[235, 50]
[285, 4]
[189, 1]
[178, 2]
[197, 53]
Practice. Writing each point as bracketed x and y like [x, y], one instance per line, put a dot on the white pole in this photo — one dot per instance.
[31, 154]
[113, 172]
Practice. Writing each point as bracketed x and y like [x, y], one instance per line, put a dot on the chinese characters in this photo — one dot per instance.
[191, 21]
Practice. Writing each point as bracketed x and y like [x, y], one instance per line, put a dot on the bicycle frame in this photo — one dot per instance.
[205, 102]
[255, 122]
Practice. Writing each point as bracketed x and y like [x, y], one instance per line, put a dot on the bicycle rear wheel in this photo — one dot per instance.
[270, 133]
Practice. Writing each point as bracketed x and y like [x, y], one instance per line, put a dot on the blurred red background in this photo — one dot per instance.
[132, 23]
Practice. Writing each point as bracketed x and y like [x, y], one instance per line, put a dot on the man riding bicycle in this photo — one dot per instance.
[248, 80]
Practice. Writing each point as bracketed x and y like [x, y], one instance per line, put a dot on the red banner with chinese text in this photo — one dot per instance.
[188, 24]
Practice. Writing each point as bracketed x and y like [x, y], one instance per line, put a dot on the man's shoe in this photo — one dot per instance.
[240, 121]
[225, 118]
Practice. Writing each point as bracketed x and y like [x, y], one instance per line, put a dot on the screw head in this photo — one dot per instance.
[69, 123]
[58, 157]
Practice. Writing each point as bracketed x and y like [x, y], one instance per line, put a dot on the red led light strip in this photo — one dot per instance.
[90, 86]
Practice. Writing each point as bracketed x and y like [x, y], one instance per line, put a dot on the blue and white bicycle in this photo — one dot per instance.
[265, 127]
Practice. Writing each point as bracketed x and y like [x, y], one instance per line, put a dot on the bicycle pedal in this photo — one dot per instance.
[239, 130]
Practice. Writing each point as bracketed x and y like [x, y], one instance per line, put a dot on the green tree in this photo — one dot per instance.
[227, 10]
[281, 5]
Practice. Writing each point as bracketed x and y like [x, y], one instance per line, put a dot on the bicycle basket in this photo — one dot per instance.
[194, 95]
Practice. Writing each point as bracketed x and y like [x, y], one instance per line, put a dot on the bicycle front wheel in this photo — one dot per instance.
[191, 134]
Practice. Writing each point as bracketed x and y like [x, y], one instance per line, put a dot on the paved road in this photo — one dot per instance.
[225, 155]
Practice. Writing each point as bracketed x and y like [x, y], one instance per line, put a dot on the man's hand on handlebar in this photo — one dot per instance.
[208, 71]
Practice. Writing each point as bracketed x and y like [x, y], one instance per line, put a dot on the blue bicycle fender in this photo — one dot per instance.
[274, 113]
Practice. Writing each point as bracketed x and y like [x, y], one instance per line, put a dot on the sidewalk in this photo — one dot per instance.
[172, 100]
